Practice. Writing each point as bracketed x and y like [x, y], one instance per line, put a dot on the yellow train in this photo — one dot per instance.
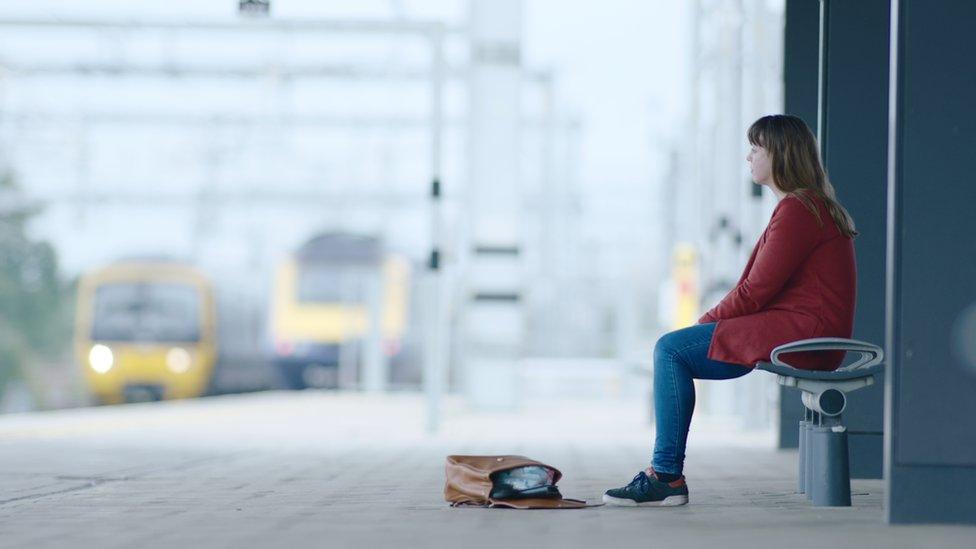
[320, 311]
[146, 330]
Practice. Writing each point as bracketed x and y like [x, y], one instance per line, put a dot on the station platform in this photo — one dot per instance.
[321, 469]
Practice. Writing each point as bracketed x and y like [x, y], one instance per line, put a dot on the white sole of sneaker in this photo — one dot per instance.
[670, 501]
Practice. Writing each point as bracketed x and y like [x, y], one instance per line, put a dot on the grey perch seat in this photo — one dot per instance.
[824, 468]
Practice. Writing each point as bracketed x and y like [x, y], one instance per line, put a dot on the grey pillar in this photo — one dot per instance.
[492, 306]
[930, 409]
[850, 118]
[854, 143]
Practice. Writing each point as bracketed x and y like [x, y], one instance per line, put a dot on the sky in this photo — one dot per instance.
[621, 69]
[621, 65]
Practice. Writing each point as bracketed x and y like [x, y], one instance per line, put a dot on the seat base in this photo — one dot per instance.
[829, 484]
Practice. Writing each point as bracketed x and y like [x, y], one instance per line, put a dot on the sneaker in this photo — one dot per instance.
[647, 491]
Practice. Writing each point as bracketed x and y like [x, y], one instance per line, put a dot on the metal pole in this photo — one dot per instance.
[822, 78]
[435, 367]
[363, 26]
[376, 365]
[347, 374]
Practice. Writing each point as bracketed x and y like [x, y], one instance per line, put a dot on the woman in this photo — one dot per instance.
[799, 283]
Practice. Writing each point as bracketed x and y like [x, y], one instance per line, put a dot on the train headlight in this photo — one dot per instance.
[101, 359]
[178, 360]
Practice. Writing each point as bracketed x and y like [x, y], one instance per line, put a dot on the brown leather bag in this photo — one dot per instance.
[469, 483]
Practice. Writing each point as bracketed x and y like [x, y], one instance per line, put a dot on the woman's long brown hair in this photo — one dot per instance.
[796, 166]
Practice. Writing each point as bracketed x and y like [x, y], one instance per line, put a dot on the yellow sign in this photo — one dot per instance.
[684, 272]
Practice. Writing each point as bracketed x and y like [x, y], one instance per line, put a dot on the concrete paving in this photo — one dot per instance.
[318, 469]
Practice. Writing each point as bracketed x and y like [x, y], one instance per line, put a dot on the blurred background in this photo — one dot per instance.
[502, 201]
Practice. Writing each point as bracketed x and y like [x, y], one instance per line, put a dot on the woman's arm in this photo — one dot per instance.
[793, 234]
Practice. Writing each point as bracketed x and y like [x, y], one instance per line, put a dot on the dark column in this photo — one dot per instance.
[930, 416]
[800, 59]
[854, 142]
[800, 76]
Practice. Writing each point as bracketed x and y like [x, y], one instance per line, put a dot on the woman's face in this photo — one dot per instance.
[760, 166]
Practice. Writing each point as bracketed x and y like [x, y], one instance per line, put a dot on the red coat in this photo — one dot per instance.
[800, 283]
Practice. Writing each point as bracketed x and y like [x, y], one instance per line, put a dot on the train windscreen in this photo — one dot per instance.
[146, 312]
[329, 283]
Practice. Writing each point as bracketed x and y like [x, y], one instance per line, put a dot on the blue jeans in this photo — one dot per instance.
[680, 357]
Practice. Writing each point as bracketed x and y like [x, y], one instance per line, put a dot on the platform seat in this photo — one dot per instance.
[824, 468]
